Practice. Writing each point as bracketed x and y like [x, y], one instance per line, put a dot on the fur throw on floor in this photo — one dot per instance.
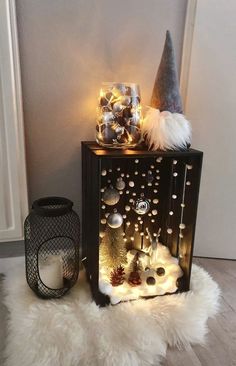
[73, 331]
[166, 130]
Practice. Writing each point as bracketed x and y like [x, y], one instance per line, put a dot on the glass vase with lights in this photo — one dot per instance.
[119, 115]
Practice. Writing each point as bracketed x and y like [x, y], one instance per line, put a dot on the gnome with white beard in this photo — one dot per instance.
[165, 127]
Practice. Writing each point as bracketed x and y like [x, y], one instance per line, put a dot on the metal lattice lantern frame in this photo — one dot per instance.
[52, 233]
[142, 206]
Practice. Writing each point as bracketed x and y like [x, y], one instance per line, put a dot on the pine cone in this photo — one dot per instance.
[117, 276]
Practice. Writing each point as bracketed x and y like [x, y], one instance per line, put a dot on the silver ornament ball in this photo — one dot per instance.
[117, 107]
[115, 220]
[125, 100]
[107, 117]
[111, 196]
[141, 206]
[118, 90]
[119, 130]
[120, 184]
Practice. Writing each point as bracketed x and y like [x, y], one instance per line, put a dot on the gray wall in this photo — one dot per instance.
[67, 49]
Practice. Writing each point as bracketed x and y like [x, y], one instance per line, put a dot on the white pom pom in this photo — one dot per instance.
[166, 130]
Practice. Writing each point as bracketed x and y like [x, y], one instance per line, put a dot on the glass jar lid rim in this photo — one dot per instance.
[127, 83]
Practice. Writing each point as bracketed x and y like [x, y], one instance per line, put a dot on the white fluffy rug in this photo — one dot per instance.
[73, 331]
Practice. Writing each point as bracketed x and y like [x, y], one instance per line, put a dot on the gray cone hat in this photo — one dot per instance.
[166, 95]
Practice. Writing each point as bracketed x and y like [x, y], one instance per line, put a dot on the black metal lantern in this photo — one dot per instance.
[52, 231]
[142, 208]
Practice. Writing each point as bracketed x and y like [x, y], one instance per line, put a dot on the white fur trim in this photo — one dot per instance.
[74, 331]
[166, 130]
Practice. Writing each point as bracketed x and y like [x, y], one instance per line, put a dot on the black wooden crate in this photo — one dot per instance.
[176, 186]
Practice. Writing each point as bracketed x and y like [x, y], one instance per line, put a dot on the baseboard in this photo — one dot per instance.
[12, 249]
[221, 259]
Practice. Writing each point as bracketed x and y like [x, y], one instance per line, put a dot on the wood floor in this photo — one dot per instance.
[220, 349]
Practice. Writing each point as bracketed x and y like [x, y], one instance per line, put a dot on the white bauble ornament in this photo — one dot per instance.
[111, 196]
[115, 220]
[120, 184]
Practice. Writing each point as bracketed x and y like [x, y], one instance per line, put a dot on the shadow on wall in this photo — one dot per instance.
[67, 49]
[65, 180]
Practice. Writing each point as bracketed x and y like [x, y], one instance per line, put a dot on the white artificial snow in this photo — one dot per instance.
[159, 257]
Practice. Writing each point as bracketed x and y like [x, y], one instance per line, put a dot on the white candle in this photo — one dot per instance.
[51, 271]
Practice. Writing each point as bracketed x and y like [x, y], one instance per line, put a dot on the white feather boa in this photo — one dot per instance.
[166, 130]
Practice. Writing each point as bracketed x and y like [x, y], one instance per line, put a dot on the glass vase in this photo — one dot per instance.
[119, 115]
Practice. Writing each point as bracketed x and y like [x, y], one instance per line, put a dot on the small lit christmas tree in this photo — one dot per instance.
[117, 276]
[135, 267]
[113, 252]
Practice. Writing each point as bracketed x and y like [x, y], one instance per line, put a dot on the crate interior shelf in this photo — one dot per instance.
[139, 217]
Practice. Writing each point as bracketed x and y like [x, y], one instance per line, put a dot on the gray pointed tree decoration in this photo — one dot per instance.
[165, 127]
